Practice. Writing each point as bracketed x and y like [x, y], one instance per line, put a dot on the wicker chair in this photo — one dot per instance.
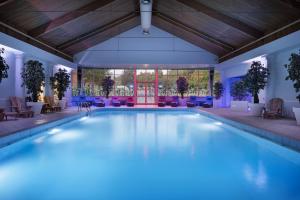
[16, 105]
[50, 104]
[274, 109]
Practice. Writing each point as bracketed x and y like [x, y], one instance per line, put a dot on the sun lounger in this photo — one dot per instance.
[161, 101]
[130, 102]
[16, 105]
[274, 109]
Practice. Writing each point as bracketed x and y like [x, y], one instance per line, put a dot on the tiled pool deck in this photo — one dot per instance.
[282, 131]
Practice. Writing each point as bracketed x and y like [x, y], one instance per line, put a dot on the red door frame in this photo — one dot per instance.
[155, 82]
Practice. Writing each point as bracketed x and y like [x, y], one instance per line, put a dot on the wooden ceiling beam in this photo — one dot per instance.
[185, 27]
[4, 2]
[58, 22]
[16, 33]
[279, 33]
[292, 3]
[223, 18]
[98, 30]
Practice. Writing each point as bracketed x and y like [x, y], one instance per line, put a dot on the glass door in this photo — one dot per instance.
[146, 86]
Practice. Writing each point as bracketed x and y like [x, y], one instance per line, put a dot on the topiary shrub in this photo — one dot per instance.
[107, 85]
[218, 90]
[182, 86]
[293, 69]
[3, 66]
[238, 90]
[256, 79]
[33, 78]
[60, 82]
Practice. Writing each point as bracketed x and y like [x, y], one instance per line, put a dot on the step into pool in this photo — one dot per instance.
[122, 155]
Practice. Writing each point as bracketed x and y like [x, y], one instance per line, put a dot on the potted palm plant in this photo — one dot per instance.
[256, 80]
[182, 87]
[3, 67]
[238, 91]
[107, 86]
[34, 79]
[218, 93]
[293, 69]
[60, 82]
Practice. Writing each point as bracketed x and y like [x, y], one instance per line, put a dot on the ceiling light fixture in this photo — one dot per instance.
[146, 14]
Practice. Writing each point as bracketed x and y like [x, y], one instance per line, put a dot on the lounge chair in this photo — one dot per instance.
[175, 101]
[192, 102]
[83, 103]
[208, 102]
[98, 102]
[50, 104]
[2, 114]
[274, 109]
[130, 102]
[168, 100]
[9, 114]
[161, 101]
[16, 105]
[115, 102]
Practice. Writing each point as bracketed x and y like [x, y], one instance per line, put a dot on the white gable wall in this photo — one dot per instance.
[132, 47]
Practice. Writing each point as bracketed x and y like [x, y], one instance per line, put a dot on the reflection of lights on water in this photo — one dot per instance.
[54, 131]
[218, 123]
[92, 120]
[66, 136]
[5, 174]
[259, 177]
[39, 140]
[83, 119]
[40, 121]
[146, 152]
[209, 126]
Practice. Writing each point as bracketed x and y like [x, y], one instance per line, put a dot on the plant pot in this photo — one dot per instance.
[36, 107]
[239, 106]
[182, 102]
[62, 104]
[217, 103]
[297, 114]
[256, 108]
[106, 101]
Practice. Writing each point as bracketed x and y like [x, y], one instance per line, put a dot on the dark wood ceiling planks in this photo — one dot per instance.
[225, 28]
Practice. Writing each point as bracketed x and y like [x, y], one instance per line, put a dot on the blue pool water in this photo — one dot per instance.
[142, 155]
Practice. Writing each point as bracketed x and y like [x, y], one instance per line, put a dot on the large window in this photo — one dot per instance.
[197, 79]
[91, 80]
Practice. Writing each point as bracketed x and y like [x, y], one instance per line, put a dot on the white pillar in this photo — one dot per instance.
[19, 90]
[48, 73]
[226, 93]
[271, 84]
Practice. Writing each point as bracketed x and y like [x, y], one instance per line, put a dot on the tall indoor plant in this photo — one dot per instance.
[34, 79]
[60, 82]
[107, 86]
[293, 69]
[182, 86]
[218, 93]
[256, 80]
[3, 67]
[238, 91]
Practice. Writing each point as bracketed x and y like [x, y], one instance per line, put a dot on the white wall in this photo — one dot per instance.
[237, 70]
[12, 85]
[7, 86]
[132, 47]
[279, 87]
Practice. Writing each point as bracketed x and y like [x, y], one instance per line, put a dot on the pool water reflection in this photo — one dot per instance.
[148, 155]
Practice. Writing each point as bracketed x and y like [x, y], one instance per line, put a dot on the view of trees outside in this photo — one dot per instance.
[197, 78]
[124, 81]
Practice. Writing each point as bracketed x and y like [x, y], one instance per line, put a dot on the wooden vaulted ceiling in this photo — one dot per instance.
[223, 27]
